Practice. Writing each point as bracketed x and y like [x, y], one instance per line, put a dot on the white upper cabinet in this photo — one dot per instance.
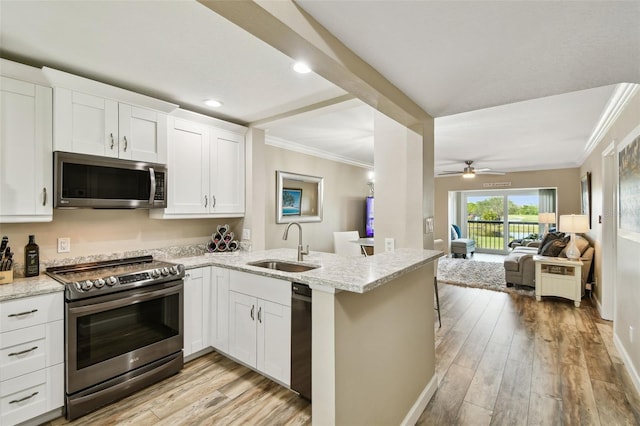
[26, 174]
[206, 168]
[88, 124]
[226, 172]
[98, 119]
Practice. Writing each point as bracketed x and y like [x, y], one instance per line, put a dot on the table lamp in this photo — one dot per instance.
[573, 223]
[547, 219]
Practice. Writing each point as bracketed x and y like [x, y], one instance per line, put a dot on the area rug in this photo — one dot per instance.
[476, 273]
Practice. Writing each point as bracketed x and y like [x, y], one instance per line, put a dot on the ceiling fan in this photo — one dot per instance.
[469, 171]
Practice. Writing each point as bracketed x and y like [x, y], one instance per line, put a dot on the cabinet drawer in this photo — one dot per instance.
[266, 288]
[22, 351]
[31, 395]
[30, 311]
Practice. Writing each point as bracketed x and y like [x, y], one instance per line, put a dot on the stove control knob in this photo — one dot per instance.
[78, 286]
[111, 281]
[99, 283]
[173, 270]
[86, 285]
[165, 272]
[155, 273]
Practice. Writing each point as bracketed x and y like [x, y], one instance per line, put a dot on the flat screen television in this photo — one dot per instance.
[369, 218]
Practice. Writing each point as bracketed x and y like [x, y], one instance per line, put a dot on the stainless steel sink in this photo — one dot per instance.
[280, 265]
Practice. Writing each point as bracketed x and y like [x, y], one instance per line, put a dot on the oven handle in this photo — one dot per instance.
[125, 301]
[152, 180]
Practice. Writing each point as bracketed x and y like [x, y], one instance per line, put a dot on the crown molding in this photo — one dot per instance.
[303, 149]
[617, 103]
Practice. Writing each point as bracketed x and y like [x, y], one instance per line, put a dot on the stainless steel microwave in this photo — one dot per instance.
[96, 182]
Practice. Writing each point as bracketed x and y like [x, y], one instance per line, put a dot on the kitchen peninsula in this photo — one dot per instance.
[373, 356]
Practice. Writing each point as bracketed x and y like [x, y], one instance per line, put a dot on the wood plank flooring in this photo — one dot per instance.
[501, 359]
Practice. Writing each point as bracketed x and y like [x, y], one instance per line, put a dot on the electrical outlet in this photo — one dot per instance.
[64, 245]
[631, 330]
[246, 234]
[389, 244]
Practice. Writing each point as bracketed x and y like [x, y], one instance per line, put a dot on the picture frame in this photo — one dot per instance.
[629, 186]
[291, 201]
[585, 196]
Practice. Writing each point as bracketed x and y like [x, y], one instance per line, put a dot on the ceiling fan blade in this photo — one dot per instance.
[449, 173]
[482, 170]
[490, 173]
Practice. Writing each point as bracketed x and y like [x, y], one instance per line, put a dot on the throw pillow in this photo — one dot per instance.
[554, 247]
[549, 237]
[454, 234]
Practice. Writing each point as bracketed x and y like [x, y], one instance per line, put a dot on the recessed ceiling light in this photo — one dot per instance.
[301, 67]
[213, 103]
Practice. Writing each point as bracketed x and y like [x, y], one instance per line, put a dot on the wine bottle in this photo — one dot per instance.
[31, 258]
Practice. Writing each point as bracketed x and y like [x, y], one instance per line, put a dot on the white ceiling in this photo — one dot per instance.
[513, 85]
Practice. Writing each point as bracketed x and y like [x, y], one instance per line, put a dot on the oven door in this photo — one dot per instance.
[113, 334]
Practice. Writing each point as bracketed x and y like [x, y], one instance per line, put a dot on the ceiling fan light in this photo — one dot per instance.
[468, 174]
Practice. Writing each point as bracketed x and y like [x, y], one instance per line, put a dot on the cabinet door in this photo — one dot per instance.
[219, 320]
[189, 168]
[85, 124]
[227, 172]
[25, 152]
[242, 327]
[196, 310]
[142, 134]
[274, 340]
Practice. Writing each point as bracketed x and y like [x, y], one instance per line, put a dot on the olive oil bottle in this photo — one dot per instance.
[31, 258]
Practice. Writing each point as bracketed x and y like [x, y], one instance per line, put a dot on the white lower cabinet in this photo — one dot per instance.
[260, 323]
[196, 310]
[31, 357]
[219, 309]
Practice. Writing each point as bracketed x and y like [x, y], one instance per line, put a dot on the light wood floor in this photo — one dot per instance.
[501, 359]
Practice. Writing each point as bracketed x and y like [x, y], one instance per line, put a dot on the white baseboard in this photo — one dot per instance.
[635, 377]
[421, 403]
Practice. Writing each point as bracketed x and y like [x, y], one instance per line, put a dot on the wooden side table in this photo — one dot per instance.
[558, 276]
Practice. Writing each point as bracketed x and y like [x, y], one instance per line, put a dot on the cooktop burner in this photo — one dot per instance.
[97, 278]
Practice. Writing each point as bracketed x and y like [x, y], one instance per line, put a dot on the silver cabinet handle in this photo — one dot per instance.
[126, 144]
[23, 313]
[44, 196]
[260, 314]
[26, 351]
[152, 191]
[214, 201]
[252, 309]
[206, 201]
[15, 401]
[187, 275]
[112, 141]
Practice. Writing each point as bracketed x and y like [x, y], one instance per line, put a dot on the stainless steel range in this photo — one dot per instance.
[123, 328]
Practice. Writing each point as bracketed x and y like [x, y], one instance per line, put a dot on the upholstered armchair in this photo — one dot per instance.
[461, 246]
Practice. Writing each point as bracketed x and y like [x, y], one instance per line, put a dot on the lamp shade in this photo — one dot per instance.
[546, 218]
[578, 223]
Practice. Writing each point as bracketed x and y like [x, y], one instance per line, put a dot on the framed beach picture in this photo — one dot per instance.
[291, 201]
[629, 186]
[585, 196]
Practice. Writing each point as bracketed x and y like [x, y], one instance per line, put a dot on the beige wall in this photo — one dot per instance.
[345, 189]
[567, 182]
[627, 282]
[109, 231]
[381, 344]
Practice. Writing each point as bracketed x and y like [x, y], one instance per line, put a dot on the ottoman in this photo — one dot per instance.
[463, 246]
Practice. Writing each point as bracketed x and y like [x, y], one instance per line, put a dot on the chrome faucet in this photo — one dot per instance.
[301, 252]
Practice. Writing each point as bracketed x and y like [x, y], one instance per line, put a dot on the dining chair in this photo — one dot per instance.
[343, 244]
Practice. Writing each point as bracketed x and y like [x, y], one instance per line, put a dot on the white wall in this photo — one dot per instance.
[627, 290]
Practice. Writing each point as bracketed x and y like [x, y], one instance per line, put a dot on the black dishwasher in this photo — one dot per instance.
[301, 339]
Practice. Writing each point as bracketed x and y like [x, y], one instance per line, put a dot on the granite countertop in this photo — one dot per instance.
[355, 274]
